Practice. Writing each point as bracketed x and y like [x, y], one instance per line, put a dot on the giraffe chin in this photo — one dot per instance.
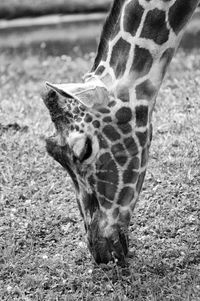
[113, 247]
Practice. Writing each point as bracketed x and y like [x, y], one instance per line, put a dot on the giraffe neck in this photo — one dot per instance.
[137, 44]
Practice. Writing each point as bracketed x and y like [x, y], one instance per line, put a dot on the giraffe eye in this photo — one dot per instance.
[87, 150]
[82, 147]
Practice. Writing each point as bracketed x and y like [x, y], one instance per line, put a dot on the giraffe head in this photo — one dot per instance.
[94, 143]
[103, 132]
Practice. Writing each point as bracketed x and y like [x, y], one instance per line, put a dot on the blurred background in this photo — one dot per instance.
[61, 27]
[54, 27]
[23, 8]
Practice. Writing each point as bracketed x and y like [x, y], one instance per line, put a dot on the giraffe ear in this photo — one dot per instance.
[90, 94]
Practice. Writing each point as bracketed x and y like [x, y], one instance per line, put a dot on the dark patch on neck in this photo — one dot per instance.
[111, 133]
[131, 173]
[109, 29]
[123, 94]
[112, 103]
[105, 203]
[142, 137]
[107, 181]
[119, 153]
[155, 27]
[125, 128]
[131, 146]
[96, 124]
[119, 56]
[180, 13]
[126, 196]
[141, 113]
[107, 176]
[133, 16]
[104, 110]
[142, 61]
[88, 118]
[124, 115]
[102, 141]
[107, 119]
[125, 217]
[107, 190]
[144, 158]
[103, 160]
[130, 176]
[146, 90]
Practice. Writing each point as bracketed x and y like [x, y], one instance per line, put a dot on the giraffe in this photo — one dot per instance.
[104, 124]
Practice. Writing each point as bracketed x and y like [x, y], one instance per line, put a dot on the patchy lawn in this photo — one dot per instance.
[43, 255]
[25, 8]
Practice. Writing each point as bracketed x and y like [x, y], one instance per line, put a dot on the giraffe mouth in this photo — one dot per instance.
[113, 247]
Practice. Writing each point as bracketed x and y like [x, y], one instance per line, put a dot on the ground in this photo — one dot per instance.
[43, 253]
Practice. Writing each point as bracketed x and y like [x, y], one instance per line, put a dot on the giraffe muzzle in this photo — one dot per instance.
[113, 247]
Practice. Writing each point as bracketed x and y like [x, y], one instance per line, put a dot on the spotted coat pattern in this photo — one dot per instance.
[135, 57]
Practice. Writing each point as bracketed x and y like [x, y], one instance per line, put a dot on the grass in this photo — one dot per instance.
[25, 8]
[43, 254]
